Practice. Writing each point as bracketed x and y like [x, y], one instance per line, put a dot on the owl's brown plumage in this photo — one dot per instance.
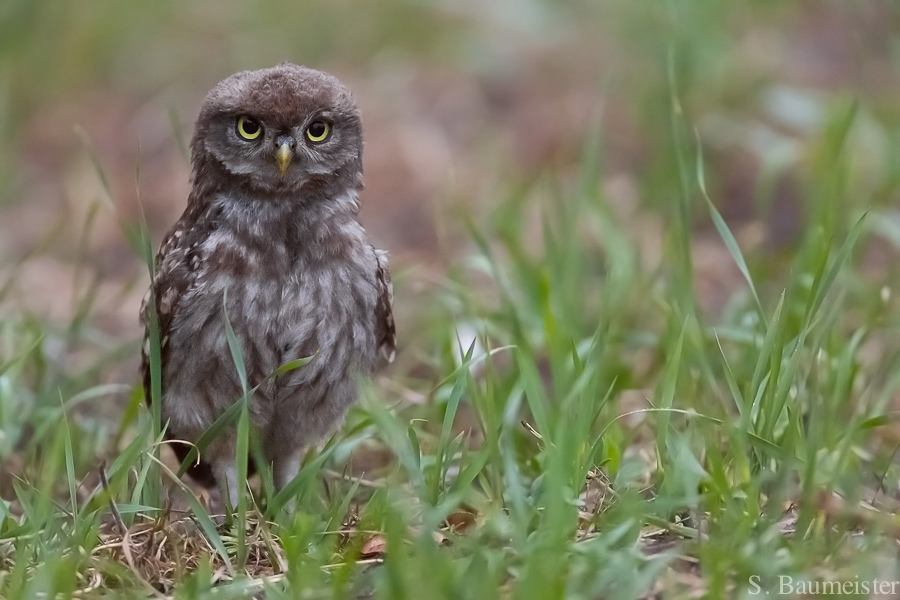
[272, 218]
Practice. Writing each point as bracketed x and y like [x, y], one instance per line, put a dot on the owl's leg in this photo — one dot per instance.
[226, 476]
[285, 468]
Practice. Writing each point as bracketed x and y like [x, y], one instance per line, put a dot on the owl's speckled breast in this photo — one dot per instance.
[284, 300]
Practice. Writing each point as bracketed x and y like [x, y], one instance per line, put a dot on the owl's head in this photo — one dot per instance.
[278, 130]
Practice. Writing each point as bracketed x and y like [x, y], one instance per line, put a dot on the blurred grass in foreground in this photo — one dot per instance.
[571, 421]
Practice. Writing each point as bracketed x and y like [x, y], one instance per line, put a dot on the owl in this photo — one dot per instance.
[270, 237]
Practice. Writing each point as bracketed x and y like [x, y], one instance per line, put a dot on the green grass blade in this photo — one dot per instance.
[725, 233]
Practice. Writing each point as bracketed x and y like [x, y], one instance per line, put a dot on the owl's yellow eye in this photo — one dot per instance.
[248, 129]
[318, 131]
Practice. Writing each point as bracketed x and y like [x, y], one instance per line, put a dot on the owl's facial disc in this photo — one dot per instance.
[283, 130]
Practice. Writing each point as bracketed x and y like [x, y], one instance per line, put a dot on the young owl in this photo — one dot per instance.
[272, 218]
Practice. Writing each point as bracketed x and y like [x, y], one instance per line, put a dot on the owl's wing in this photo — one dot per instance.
[176, 271]
[386, 335]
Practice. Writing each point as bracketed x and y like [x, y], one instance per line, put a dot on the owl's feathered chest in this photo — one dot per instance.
[292, 286]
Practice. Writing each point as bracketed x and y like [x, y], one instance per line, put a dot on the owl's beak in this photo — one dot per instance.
[283, 158]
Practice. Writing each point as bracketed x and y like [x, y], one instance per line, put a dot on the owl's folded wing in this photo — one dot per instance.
[385, 332]
[176, 271]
